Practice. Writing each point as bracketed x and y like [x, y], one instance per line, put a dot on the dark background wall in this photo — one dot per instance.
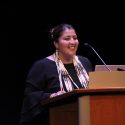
[24, 30]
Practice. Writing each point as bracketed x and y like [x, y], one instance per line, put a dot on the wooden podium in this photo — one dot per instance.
[92, 106]
[106, 79]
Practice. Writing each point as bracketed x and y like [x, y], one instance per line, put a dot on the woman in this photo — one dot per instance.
[54, 75]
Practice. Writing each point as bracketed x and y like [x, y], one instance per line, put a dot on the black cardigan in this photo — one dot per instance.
[41, 81]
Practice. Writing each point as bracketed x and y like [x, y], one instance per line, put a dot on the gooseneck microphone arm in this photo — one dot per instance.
[86, 44]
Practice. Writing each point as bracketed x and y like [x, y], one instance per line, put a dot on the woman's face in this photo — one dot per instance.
[67, 44]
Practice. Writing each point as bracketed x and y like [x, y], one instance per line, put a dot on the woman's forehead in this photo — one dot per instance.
[68, 32]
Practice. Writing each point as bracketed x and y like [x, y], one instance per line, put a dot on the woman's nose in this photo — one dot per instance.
[72, 41]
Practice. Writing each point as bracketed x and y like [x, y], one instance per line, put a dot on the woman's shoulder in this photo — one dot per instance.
[43, 61]
[41, 65]
[86, 62]
[83, 58]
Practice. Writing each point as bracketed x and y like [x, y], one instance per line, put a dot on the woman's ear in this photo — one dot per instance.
[56, 44]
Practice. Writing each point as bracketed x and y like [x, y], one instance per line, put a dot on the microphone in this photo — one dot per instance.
[86, 44]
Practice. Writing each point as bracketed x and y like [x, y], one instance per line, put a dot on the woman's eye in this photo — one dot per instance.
[75, 38]
[67, 39]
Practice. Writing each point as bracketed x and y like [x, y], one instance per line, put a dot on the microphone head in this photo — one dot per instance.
[86, 44]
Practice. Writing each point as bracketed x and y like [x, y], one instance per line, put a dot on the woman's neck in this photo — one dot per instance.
[66, 59]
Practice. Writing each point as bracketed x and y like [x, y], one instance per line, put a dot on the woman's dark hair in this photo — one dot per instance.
[56, 32]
